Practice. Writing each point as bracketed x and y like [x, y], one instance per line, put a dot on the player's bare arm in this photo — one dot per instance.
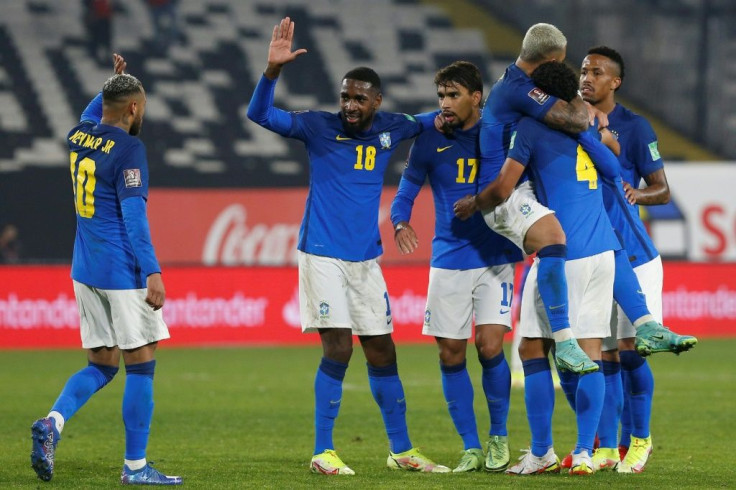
[656, 192]
[608, 139]
[279, 50]
[570, 117]
[494, 194]
[405, 238]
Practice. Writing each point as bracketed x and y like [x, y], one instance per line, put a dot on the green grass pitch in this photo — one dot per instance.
[242, 418]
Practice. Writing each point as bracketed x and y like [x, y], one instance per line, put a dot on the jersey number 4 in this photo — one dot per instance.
[83, 183]
[585, 169]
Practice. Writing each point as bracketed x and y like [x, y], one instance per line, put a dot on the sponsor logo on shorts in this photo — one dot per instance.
[538, 95]
[132, 177]
[503, 312]
[427, 316]
[324, 310]
[525, 209]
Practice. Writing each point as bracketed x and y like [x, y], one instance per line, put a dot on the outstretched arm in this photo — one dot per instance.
[494, 194]
[279, 51]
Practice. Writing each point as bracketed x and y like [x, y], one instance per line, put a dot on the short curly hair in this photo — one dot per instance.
[612, 55]
[120, 86]
[557, 79]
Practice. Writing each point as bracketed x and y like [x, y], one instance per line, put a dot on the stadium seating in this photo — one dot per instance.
[198, 90]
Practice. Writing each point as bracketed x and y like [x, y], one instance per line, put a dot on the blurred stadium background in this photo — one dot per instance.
[227, 196]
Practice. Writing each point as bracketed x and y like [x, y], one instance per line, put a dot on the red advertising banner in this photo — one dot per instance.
[259, 305]
[257, 227]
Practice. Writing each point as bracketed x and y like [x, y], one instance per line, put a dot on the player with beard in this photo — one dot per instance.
[341, 287]
[117, 279]
[472, 272]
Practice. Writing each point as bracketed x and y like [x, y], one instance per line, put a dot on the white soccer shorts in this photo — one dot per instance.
[117, 317]
[454, 295]
[335, 293]
[517, 214]
[651, 278]
[589, 293]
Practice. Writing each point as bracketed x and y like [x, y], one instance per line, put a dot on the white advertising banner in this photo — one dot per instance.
[699, 224]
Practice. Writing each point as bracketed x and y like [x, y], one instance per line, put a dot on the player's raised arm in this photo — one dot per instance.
[279, 51]
[93, 111]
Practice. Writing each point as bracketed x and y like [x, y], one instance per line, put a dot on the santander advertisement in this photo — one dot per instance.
[259, 305]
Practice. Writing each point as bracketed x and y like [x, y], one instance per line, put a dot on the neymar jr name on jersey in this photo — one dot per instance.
[90, 141]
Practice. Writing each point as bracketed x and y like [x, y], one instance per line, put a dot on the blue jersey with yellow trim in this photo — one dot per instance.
[453, 167]
[107, 165]
[512, 97]
[346, 180]
[566, 181]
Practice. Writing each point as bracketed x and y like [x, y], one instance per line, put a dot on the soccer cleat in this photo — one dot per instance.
[622, 450]
[637, 456]
[651, 338]
[472, 460]
[45, 438]
[497, 454]
[566, 462]
[569, 356]
[147, 476]
[329, 463]
[413, 460]
[581, 463]
[533, 465]
[606, 458]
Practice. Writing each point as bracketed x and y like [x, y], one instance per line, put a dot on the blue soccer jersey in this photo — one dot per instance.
[512, 97]
[566, 181]
[453, 167]
[639, 157]
[346, 174]
[107, 166]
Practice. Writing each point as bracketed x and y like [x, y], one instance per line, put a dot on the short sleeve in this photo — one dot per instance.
[645, 155]
[520, 146]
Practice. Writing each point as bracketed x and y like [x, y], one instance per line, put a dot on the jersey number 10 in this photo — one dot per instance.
[83, 183]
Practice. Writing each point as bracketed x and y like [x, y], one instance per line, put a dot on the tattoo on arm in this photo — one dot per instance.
[571, 117]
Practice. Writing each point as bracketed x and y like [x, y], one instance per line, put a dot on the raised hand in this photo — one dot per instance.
[119, 64]
[279, 51]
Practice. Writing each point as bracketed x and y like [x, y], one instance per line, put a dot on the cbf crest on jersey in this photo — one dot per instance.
[385, 139]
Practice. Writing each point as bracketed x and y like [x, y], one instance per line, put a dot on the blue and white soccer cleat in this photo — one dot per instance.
[147, 476]
[45, 438]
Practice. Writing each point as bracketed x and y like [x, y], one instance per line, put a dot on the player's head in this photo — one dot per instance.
[557, 79]
[124, 100]
[360, 98]
[543, 42]
[601, 74]
[460, 91]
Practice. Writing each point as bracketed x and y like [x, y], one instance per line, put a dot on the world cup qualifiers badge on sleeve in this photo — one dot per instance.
[132, 177]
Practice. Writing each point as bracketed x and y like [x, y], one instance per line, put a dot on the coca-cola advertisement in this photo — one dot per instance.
[233, 227]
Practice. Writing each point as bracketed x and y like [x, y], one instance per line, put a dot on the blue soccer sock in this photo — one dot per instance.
[569, 385]
[327, 398]
[138, 408]
[625, 434]
[641, 391]
[497, 388]
[552, 285]
[626, 289]
[458, 391]
[80, 387]
[612, 405]
[539, 397]
[588, 406]
[389, 394]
